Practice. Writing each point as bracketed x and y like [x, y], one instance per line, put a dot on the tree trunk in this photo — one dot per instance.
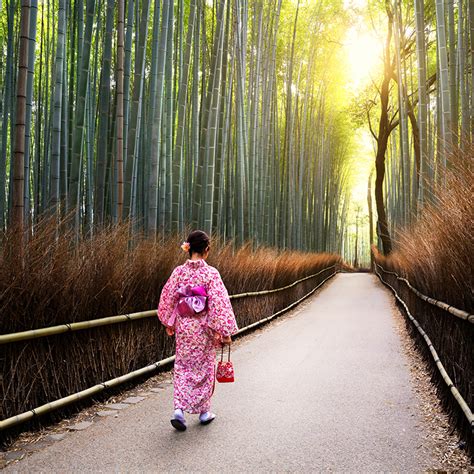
[385, 128]
[371, 217]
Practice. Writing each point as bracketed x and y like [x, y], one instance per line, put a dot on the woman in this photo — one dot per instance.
[195, 307]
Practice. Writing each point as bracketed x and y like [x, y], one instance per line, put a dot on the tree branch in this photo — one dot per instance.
[370, 125]
[392, 126]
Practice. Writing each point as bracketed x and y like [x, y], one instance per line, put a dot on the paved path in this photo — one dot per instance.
[326, 389]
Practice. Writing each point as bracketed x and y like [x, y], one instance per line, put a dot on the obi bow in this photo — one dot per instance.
[192, 300]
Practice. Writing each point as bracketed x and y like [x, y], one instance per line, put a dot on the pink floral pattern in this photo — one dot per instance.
[194, 367]
[225, 372]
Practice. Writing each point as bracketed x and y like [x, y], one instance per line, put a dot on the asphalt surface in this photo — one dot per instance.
[325, 389]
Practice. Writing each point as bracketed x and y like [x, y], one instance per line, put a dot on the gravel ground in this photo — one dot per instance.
[335, 385]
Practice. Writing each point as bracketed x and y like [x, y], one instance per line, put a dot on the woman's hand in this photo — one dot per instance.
[220, 340]
[169, 331]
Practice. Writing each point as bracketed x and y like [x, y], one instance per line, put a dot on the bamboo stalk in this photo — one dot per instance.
[18, 173]
[103, 106]
[445, 97]
[54, 194]
[7, 113]
[119, 151]
[168, 125]
[29, 100]
[178, 158]
[155, 159]
[134, 124]
[80, 115]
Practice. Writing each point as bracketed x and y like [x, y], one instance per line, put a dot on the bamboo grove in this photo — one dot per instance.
[171, 114]
[421, 114]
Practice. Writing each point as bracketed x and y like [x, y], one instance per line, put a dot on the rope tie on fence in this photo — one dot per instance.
[446, 378]
[62, 402]
[440, 304]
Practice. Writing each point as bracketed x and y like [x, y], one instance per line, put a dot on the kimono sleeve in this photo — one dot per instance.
[221, 318]
[168, 298]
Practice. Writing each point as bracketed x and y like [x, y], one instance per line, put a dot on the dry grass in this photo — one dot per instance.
[436, 256]
[60, 280]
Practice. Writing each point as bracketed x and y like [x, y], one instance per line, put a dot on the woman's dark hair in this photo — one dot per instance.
[198, 242]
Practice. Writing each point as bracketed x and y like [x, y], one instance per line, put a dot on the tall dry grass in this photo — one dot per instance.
[60, 280]
[436, 256]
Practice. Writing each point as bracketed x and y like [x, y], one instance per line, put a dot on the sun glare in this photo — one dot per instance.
[363, 51]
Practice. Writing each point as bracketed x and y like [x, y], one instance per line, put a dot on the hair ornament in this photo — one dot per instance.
[186, 246]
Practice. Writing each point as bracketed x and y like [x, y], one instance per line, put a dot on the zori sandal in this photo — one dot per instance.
[178, 421]
[178, 424]
[206, 418]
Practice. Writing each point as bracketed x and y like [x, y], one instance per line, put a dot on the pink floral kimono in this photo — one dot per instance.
[195, 343]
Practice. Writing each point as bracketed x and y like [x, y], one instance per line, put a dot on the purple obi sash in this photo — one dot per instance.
[192, 301]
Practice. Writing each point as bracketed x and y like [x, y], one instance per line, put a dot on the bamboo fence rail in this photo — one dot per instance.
[68, 327]
[62, 402]
[447, 379]
[292, 305]
[75, 397]
[440, 304]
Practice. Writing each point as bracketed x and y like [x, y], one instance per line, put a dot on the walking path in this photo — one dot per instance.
[326, 389]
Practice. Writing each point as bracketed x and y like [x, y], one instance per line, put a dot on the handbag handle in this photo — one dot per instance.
[222, 354]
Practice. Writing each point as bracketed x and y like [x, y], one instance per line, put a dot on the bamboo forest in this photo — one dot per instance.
[309, 139]
[246, 119]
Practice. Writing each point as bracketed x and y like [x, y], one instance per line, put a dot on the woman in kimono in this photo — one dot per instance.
[206, 321]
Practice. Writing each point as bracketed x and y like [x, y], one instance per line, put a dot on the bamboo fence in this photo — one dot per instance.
[447, 379]
[75, 397]
[68, 327]
[440, 304]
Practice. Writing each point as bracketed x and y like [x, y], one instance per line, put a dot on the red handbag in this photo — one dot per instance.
[225, 369]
